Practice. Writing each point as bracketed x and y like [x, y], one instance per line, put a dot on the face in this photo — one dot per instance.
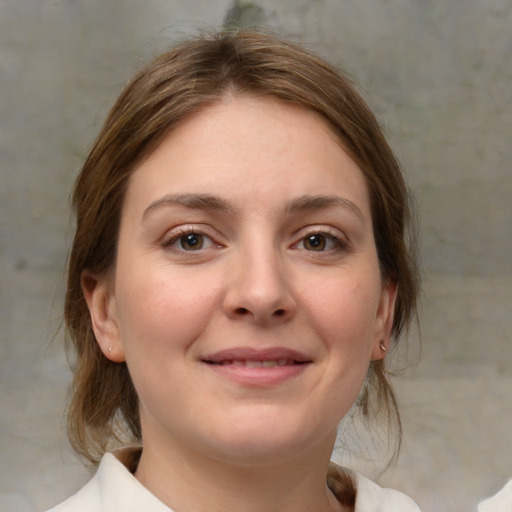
[247, 299]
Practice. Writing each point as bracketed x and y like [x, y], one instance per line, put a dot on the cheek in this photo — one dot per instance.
[160, 318]
[343, 314]
[161, 312]
[343, 310]
[346, 322]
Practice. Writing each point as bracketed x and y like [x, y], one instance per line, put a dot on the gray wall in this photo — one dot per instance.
[439, 75]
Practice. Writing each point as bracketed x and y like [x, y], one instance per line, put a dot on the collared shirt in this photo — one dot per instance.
[114, 489]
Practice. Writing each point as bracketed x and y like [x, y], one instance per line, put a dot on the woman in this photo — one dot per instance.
[239, 271]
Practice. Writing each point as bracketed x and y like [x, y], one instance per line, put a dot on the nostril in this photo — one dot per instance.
[278, 313]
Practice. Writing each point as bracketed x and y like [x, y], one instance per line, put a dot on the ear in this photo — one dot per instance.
[102, 308]
[384, 320]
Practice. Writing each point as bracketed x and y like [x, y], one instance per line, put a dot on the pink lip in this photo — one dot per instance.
[232, 364]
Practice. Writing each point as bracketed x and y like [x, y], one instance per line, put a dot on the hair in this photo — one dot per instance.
[194, 74]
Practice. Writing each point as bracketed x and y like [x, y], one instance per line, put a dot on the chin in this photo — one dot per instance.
[264, 442]
[256, 452]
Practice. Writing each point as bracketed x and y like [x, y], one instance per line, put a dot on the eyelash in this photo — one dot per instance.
[175, 236]
[339, 243]
[328, 238]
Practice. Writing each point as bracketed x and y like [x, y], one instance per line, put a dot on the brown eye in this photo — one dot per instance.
[188, 240]
[191, 242]
[315, 242]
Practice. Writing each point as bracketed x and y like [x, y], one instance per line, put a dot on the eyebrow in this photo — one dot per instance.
[193, 201]
[210, 202]
[304, 203]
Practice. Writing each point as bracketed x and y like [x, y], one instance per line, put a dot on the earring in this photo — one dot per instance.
[110, 349]
[382, 346]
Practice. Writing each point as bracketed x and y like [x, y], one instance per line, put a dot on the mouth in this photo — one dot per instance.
[251, 363]
[253, 358]
[258, 367]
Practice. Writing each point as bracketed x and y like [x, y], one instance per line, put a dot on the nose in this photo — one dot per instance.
[259, 289]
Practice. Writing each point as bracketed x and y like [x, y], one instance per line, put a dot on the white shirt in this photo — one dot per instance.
[501, 502]
[114, 489]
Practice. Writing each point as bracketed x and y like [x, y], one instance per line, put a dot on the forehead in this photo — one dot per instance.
[249, 146]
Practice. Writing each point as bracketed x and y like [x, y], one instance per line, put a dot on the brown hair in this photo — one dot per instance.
[196, 73]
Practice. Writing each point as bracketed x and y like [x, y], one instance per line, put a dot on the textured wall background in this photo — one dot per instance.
[439, 75]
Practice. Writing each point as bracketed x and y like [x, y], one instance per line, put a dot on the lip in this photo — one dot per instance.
[258, 367]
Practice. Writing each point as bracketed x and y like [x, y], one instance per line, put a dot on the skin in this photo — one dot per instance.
[222, 247]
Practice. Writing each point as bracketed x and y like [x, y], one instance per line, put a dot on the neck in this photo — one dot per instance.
[189, 481]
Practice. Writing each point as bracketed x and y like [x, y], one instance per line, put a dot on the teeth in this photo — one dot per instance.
[258, 364]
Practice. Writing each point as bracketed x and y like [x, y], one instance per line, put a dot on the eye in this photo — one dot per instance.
[191, 241]
[188, 241]
[320, 242]
[316, 242]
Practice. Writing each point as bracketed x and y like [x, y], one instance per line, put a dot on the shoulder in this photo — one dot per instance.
[113, 488]
[500, 502]
[369, 497]
[373, 498]
[86, 499]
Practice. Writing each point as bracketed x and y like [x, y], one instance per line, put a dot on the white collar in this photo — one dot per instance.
[120, 490]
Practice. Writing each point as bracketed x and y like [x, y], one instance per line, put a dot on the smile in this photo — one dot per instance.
[255, 358]
[258, 364]
[252, 367]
